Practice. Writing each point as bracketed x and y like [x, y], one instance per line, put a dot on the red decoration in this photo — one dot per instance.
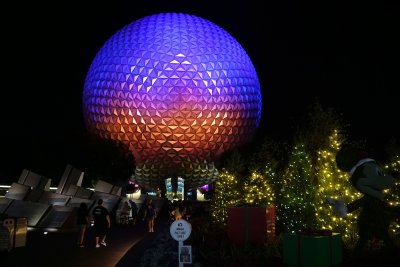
[254, 225]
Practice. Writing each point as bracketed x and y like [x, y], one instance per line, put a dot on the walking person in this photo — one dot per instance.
[102, 223]
[134, 211]
[177, 213]
[83, 221]
[125, 213]
[150, 214]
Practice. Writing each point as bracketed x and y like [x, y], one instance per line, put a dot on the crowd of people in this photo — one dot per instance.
[100, 220]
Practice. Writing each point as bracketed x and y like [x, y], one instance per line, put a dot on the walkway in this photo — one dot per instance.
[124, 248]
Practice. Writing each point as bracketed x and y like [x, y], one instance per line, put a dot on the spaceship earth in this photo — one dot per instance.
[178, 90]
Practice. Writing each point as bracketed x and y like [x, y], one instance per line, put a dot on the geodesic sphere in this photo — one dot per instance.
[175, 88]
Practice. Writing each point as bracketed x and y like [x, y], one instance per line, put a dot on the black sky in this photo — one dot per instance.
[342, 53]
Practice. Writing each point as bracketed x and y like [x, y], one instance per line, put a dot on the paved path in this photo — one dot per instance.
[60, 249]
[125, 244]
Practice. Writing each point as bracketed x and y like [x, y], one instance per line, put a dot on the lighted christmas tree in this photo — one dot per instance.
[392, 195]
[334, 183]
[257, 190]
[270, 160]
[297, 208]
[227, 194]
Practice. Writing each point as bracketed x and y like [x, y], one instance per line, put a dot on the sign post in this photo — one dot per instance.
[180, 230]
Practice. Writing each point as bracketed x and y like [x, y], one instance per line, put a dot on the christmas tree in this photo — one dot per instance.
[227, 194]
[257, 190]
[334, 183]
[297, 208]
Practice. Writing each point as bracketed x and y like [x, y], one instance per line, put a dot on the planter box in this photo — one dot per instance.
[255, 225]
[312, 251]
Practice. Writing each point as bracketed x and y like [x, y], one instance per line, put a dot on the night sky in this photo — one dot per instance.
[337, 52]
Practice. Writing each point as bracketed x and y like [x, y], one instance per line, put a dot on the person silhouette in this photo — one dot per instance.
[150, 214]
[102, 223]
[83, 221]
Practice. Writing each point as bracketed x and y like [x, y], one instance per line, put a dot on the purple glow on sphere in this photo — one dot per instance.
[177, 89]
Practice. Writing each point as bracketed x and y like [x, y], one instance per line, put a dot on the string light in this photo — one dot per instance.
[257, 190]
[392, 195]
[297, 205]
[332, 182]
[300, 192]
[227, 194]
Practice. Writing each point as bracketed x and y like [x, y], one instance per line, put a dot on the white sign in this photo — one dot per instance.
[185, 254]
[180, 230]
